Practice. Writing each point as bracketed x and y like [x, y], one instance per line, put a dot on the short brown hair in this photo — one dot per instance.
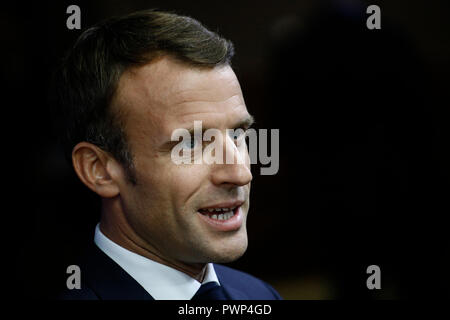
[90, 72]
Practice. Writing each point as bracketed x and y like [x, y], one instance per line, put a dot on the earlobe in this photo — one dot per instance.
[91, 164]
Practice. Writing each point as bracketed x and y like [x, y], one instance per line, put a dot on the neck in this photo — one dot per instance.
[117, 229]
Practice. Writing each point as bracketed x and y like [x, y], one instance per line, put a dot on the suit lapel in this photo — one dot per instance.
[233, 293]
[108, 280]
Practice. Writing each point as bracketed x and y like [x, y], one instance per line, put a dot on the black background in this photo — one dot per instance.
[364, 161]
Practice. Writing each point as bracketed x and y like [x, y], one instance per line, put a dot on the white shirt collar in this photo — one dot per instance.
[160, 281]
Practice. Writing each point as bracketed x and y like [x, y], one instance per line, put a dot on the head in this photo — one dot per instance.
[125, 86]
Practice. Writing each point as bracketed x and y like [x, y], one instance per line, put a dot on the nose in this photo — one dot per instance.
[236, 173]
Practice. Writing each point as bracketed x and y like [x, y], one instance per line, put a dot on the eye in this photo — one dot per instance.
[191, 143]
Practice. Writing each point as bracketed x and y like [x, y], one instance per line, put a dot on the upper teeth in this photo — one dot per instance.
[221, 213]
[221, 209]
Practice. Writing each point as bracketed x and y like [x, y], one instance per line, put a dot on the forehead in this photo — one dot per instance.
[166, 95]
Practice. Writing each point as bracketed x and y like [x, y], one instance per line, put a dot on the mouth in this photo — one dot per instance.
[223, 217]
[219, 213]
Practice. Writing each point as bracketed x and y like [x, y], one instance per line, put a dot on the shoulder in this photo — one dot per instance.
[244, 284]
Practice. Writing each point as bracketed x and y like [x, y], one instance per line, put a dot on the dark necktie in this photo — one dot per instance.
[211, 291]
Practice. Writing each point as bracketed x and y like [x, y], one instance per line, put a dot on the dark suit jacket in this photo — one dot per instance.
[103, 279]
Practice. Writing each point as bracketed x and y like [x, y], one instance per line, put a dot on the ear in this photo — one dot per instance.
[97, 169]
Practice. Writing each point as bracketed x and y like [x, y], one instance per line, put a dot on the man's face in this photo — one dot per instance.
[166, 207]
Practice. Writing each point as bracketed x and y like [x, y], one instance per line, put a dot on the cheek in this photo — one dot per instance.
[186, 182]
[169, 186]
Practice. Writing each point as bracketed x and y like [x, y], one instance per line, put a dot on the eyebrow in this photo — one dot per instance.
[244, 123]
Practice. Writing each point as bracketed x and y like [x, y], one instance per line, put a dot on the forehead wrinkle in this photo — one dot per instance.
[219, 121]
[201, 101]
[201, 110]
[196, 113]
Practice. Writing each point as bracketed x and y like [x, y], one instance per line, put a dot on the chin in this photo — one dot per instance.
[228, 259]
[229, 253]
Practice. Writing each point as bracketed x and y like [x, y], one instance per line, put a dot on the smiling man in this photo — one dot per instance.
[124, 88]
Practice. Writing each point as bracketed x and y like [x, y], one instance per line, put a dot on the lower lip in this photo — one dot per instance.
[234, 223]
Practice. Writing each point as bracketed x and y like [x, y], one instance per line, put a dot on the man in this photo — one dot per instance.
[124, 88]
